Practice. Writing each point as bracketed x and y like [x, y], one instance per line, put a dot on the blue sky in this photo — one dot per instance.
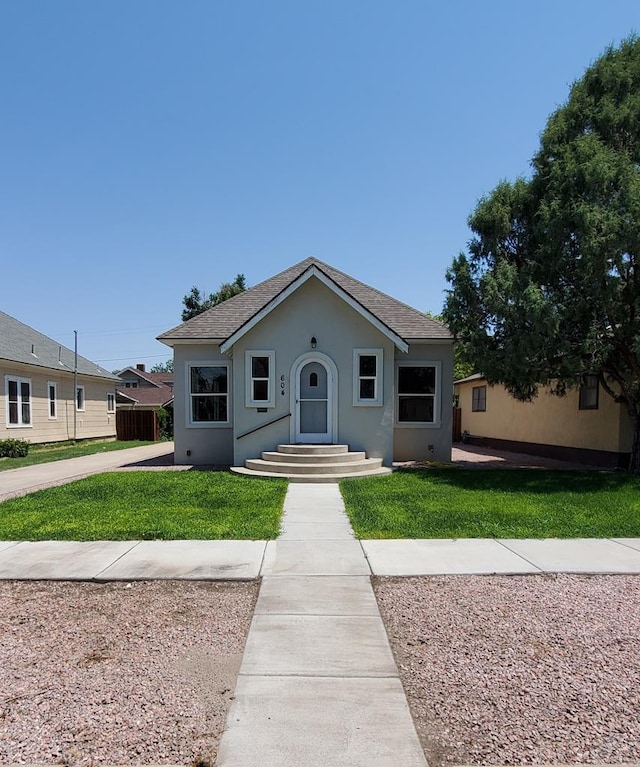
[148, 146]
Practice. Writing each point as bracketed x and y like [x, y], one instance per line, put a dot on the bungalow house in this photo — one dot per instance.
[311, 357]
[140, 396]
[37, 399]
[586, 426]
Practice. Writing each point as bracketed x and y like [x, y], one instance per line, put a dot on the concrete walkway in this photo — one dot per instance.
[17, 482]
[318, 685]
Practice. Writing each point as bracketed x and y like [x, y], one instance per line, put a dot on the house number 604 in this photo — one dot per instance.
[282, 385]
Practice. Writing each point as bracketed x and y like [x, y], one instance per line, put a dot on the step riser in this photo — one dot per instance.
[312, 449]
[338, 458]
[319, 478]
[328, 468]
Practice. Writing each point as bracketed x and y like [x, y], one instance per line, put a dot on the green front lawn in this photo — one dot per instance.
[148, 505]
[450, 503]
[47, 453]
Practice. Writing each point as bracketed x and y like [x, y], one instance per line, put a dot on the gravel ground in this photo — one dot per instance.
[118, 673]
[519, 669]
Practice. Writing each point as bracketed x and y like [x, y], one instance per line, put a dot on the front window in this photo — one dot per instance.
[209, 394]
[18, 392]
[53, 399]
[80, 398]
[417, 394]
[589, 393]
[111, 402]
[260, 372]
[479, 399]
[367, 377]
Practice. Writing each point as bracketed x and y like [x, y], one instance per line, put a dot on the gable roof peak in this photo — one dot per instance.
[224, 320]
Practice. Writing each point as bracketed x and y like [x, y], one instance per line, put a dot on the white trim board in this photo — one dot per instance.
[313, 271]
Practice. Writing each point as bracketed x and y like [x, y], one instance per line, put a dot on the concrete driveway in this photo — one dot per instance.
[474, 457]
[17, 482]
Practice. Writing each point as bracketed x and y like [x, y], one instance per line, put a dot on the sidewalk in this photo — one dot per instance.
[242, 560]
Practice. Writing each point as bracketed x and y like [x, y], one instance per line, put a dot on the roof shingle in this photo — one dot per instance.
[20, 343]
[223, 320]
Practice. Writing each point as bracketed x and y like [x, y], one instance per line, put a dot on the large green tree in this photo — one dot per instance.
[549, 290]
[195, 302]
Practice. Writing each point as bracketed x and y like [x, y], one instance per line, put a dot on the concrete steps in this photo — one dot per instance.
[313, 463]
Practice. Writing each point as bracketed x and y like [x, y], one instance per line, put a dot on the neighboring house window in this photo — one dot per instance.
[111, 402]
[80, 398]
[479, 399]
[18, 401]
[131, 385]
[417, 389]
[367, 376]
[53, 400]
[208, 387]
[260, 378]
[589, 393]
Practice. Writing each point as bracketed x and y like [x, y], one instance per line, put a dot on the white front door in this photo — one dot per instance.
[313, 412]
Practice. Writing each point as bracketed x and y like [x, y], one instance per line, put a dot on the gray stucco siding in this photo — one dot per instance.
[412, 442]
[210, 443]
[284, 334]
[314, 311]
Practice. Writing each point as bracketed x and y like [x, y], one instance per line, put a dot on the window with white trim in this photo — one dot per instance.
[111, 402]
[416, 394]
[208, 388]
[18, 391]
[80, 399]
[52, 395]
[367, 376]
[260, 378]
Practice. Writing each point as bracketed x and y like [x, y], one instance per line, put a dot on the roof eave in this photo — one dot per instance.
[174, 340]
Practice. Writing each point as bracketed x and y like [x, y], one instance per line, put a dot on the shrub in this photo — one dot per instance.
[165, 422]
[13, 448]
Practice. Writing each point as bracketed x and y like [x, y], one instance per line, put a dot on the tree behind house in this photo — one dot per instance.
[550, 289]
[195, 302]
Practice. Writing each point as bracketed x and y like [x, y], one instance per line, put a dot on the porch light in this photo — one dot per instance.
[314, 342]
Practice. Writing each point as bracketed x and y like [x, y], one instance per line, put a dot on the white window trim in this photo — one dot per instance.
[377, 399]
[55, 400]
[84, 399]
[249, 379]
[437, 417]
[111, 396]
[206, 364]
[19, 380]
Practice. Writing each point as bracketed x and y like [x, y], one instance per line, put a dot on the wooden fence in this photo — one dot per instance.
[456, 422]
[137, 424]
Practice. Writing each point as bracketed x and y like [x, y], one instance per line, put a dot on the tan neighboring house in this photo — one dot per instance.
[586, 426]
[311, 356]
[37, 398]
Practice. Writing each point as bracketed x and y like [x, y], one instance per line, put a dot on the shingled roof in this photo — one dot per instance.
[20, 343]
[222, 321]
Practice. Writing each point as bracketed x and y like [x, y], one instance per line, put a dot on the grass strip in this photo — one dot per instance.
[148, 505]
[448, 503]
[47, 453]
